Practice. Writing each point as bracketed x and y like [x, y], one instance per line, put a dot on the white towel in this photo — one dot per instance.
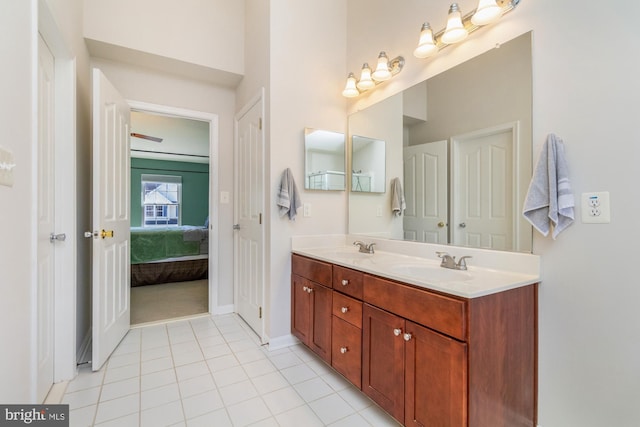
[288, 199]
[398, 204]
[549, 199]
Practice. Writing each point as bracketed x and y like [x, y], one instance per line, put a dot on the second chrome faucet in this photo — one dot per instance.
[449, 261]
[364, 247]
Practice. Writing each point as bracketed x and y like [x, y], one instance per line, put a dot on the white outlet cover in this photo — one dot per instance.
[596, 208]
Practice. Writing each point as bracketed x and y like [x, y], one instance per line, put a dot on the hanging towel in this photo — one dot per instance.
[398, 204]
[549, 199]
[288, 199]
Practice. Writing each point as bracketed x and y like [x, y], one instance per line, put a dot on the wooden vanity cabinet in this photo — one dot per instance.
[346, 337]
[311, 304]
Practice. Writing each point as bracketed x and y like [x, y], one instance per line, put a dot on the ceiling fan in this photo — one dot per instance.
[150, 138]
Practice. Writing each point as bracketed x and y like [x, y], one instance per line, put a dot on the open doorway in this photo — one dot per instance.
[170, 216]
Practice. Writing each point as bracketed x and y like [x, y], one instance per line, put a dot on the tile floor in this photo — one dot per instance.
[212, 371]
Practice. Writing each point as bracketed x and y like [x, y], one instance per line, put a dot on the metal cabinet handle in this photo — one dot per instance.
[305, 288]
[397, 332]
[343, 350]
[344, 309]
[407, 337]
[309, 290]
[345, 282]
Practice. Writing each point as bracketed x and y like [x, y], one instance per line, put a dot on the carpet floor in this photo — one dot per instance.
[152, 303]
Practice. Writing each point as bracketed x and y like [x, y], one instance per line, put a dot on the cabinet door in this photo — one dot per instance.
[346, 354]
[435, 379]
[383, 360]
[321, 305]
[300, 308]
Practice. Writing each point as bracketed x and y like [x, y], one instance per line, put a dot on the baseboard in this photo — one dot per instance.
[84, 352]
[282, 342]
[223, 309]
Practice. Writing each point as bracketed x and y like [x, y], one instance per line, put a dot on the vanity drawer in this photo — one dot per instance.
[435, 311]
[348, 309]
[346, 350]
[314, 270]
[347, 281]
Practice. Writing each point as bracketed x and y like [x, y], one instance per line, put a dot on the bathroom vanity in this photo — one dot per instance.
[446, 351]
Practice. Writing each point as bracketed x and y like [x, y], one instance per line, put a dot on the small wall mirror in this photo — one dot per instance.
[367, 164]
[324, 160]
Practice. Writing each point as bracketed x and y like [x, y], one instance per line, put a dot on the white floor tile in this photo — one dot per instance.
[120, 388]
[159, 396]
[164, 415]
[132, 420]
[187, 358]
[211, 340]
[331, 408]
[117, 408]
[247, 412]
[285, 360]
[82, 417]
[216, 351]
[298, 373]
[219, 418]
[200, 404]
[353, 420]
[258, 367]
[155, 353]
[237, 392]
[283, 400]
[156, 365]
[121, 373]
[250, 355]
[378, 418]
[192, 370]
[157, 379]
[336, 381]
[82, 398]
[355, 398]
[269, 382]
[300, 416]
[123, 359]
[313, 389]
[86, 379]
[230, 376]
[196, 385]
[223, 362]
[268, 422]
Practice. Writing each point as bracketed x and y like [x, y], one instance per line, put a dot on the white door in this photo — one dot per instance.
[249, 237]
[46, 219]
[425, 181]
[111, 222]
[482, 189]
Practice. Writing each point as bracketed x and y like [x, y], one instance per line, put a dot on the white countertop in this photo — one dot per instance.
[419, 271]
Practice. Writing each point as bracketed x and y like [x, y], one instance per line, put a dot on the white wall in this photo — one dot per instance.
[307, 70]
[207, 33]
[585, 89]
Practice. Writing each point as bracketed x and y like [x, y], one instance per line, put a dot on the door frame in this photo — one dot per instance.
[258, 98]
[214, 216]
[65, 280]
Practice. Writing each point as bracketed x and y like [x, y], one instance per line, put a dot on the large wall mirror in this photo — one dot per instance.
[367, 164]
[324, 160]
[461, 144]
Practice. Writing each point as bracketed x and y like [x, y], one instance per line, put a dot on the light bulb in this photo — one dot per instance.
[382, 72]
[350, 90]
[455, 31]
[486, 12]
[426, 45]
[365, 82]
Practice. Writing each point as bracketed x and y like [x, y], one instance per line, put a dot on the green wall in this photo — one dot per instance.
[195, 188]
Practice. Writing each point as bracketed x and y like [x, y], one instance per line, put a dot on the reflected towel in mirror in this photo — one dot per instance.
[549, 200]
[398, 204]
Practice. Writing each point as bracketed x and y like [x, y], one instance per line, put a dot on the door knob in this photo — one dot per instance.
[462, 225]
[397, 332]
[104, 233]
[407, 337]
[59, 237]
[441, 224]
[343, 350]
[344, 309]
[345, 282]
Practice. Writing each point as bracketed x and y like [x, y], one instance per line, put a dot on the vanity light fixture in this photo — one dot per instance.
[458, 26]
[386, 69]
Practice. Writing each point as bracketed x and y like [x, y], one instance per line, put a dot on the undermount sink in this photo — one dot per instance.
[428, 272]
[351, 254]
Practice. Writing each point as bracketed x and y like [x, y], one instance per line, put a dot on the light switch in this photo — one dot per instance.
[224, 197]
[306, 209]
[6, 167]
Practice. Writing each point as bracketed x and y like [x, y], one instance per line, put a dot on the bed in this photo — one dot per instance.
[169, 254]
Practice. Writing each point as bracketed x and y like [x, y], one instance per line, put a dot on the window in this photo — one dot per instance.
[161, 200]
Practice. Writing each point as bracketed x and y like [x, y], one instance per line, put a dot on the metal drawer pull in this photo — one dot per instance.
[407, 337]
[345, 282]
[343, 350]
[344, 309]
[306, 289]
[397, 332]
[309, 290]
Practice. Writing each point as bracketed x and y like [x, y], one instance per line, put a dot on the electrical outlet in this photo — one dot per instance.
[379, 211]
[596, 208]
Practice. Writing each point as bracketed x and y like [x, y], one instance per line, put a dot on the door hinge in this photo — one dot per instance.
[260, 313]
[260, 219]
[260, 123]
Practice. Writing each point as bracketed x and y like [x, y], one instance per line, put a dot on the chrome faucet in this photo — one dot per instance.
[449, 261]
[364, 247]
